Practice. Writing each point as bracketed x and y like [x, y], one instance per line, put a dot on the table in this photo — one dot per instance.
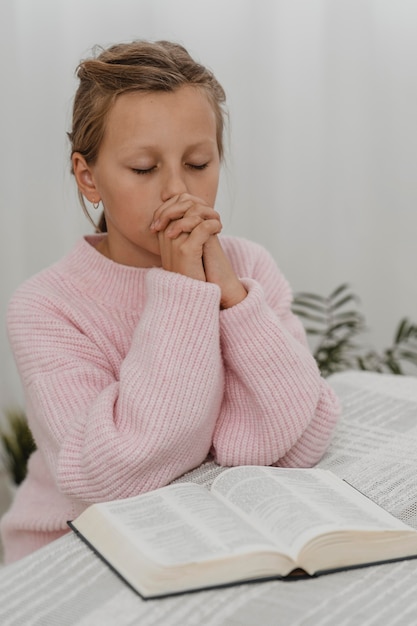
[374, 448]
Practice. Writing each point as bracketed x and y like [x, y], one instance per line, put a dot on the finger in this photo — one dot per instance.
[188, 244]
[183, 219]
[174, 211]
[175, 208]
[199, 236]
[188, 223]
[183, 225]
[182, 197]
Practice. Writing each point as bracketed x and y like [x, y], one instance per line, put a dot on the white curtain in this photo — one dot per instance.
[322, 167]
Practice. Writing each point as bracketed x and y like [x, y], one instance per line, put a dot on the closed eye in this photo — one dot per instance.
[146, 171]
[197, 167]
[149, 170]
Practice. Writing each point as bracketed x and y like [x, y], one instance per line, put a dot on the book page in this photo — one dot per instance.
[375, 443]
[293, 505]
[183, 523]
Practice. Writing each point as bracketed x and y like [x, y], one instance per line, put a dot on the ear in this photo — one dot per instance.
[85, 178]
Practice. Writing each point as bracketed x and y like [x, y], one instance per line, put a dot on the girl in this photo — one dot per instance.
[155, 342]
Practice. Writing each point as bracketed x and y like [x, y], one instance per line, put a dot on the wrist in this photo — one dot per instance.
[234, 297]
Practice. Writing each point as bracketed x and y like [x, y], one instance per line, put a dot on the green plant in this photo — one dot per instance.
[335, 324]
[17, 444]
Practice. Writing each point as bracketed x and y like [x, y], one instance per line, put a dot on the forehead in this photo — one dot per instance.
[186, 112]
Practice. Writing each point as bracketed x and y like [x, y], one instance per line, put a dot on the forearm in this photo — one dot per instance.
[312, 444]
[274, 390]
[105, 420]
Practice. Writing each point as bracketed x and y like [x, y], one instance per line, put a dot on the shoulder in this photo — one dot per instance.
[249, 258]
[44, 287]
[244, 253]
[52, 309]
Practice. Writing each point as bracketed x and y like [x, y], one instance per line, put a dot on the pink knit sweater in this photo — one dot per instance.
[133, 376]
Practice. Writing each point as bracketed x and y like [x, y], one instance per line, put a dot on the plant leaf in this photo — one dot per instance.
[310, 316]
[401, 331]
[339, 290]
[344, 300]
[304, 295]
[309, 305]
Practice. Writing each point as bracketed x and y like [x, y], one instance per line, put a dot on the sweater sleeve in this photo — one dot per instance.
[108, 425]
[276, 409]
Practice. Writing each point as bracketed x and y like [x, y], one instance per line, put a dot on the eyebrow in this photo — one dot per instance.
[152, 148]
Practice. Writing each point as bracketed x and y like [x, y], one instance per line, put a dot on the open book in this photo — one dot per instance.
[256, 523]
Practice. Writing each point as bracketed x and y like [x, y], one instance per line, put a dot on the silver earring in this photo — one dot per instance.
[96, 205]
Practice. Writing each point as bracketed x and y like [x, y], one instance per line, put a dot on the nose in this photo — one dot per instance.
[173, 184]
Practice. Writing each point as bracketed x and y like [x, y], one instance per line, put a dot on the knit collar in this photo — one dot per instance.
[103, 279]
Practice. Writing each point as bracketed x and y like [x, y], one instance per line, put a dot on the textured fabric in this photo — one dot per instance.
[133, 376]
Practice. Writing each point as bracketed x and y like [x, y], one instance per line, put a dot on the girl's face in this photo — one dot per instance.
[156, 145]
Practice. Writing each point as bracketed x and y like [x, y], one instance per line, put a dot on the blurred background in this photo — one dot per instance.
[322, 160]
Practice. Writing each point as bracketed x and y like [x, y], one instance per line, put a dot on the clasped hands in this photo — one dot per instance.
[187, 229]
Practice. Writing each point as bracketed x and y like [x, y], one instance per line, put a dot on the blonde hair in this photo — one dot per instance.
[130, 67]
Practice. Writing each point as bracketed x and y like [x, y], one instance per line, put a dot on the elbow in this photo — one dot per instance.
[317, 437]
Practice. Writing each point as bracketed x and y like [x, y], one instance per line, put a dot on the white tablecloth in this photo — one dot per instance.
[374, 448]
